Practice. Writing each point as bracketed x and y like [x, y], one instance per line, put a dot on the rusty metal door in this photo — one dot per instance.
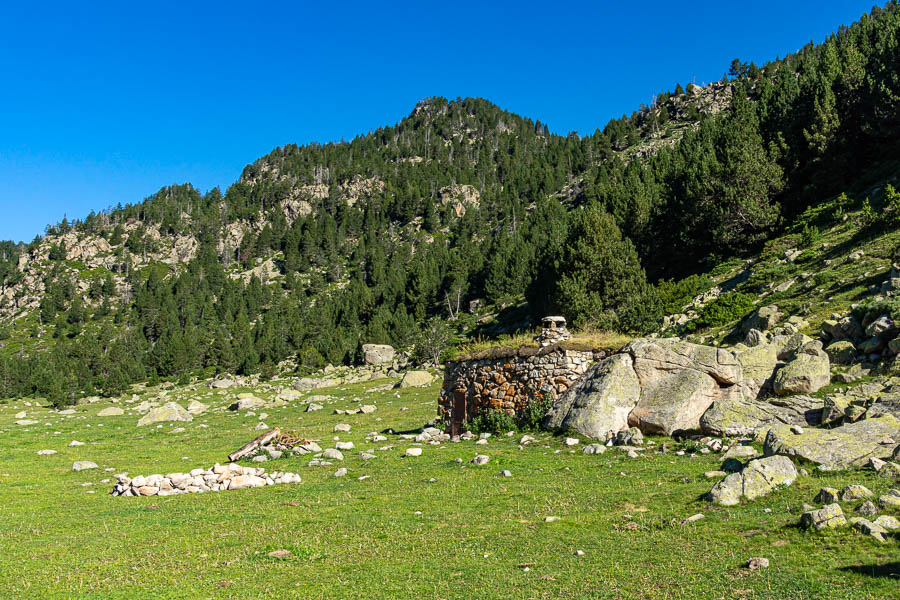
[457, 413]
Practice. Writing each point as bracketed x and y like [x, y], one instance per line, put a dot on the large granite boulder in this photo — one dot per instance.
[679, 381]
[416, 379]
[171, 411]
[806, 373]
[674, 403]
[654, 359]
[742, 416]
[377, 354]
[841, 352]
[850, 445]
[600, 401]
[758, 365]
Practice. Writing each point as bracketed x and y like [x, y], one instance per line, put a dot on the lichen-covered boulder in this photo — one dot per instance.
[886, 404]
[763, 475]
[740, 416]
[786, 346]
[600, 401]
[727, 492]
[656, 358]
[841, 352]
[846, 446]
[806, 373]
[416, 379]
[171, 411]
[679, 381]
[827, 517]
[377, 354]
[758, 366]
[757, 479]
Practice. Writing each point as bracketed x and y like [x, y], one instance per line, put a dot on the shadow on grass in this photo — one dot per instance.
[885, 570]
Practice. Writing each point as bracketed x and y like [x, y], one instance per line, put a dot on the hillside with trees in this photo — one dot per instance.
[460, 213]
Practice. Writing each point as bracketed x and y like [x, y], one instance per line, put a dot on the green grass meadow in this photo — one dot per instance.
[470, 533]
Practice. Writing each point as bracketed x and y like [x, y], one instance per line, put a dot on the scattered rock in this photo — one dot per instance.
[756, 563]
[855, 492]
[481, 459]
[869, 528]
[171, 411]
[111, 411]
[333, 454]
[758, 478]
[867, 509]
[827, 496]
[828, 517]
[693, 518]
[413, 452]
[594, 449]
[46, 452]
[83, 465]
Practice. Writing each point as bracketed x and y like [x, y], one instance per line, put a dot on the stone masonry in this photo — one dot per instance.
[510, 380]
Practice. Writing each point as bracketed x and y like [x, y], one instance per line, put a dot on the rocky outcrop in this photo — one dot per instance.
[659, 386]
[850, 445]
[686, 387]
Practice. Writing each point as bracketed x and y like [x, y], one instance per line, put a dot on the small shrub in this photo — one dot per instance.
[675, 295]
[492, 421]
[533, 415]
[869, 311]
[725, 309]
[867, 214]
[809, 235]
[823, 277]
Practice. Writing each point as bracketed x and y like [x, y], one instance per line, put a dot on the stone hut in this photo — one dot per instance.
[510, 379]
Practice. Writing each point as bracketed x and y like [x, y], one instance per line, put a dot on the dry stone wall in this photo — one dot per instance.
[510, 380]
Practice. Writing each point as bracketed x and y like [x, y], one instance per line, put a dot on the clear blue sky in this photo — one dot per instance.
[102, 103]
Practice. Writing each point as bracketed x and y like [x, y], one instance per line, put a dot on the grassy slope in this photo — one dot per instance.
[826, 280]
[363, 539]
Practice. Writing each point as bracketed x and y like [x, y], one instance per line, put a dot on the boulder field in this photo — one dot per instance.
[669, 386]
[673, 387]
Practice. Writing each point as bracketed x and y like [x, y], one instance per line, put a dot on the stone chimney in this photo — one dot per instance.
[553, 331]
